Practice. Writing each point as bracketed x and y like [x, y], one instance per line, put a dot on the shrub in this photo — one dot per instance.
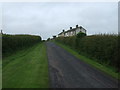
[80, 35]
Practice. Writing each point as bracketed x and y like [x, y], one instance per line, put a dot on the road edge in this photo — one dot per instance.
[78, 56]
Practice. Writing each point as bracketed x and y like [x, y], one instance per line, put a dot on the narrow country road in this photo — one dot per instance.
[66, 71]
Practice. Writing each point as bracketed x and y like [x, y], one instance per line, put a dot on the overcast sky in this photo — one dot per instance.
[48, 19]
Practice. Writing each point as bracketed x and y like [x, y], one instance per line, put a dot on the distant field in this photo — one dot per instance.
[27, 68]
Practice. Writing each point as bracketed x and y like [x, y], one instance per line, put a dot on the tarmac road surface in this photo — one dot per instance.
[66, 71]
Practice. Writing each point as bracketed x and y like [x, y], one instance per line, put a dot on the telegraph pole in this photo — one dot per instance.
[1, 32]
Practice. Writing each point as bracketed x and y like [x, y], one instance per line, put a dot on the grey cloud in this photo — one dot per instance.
[0, 15]
[47, 19]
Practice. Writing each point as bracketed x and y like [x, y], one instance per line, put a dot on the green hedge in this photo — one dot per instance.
[102, 48]
[12, 43]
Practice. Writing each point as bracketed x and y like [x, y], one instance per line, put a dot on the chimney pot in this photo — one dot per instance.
[80, 27]
[70, 27]
[76, 26]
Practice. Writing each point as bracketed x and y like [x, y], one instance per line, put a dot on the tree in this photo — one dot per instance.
[81, 34]
[48, 39]
[54, 37]
[78, 37]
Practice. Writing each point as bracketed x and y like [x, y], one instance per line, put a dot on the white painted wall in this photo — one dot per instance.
[80, 30]
[77, 30]
[83, 30]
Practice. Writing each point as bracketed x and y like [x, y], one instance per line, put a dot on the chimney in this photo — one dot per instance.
[76, 26]
[70, 27]
[63, 30]
[80, 27]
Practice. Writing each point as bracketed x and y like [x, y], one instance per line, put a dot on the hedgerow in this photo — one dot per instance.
[12, 43]
[102, 48]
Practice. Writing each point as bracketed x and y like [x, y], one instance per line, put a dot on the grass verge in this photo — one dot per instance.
[95, 64]
[26, 69]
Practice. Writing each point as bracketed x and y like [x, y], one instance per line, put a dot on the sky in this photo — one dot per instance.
[0, 16]
[50, 18]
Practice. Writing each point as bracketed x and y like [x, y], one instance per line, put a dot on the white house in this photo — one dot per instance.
[72, 31]
[62, 34]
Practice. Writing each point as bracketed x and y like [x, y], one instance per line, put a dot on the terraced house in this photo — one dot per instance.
[72, 31]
